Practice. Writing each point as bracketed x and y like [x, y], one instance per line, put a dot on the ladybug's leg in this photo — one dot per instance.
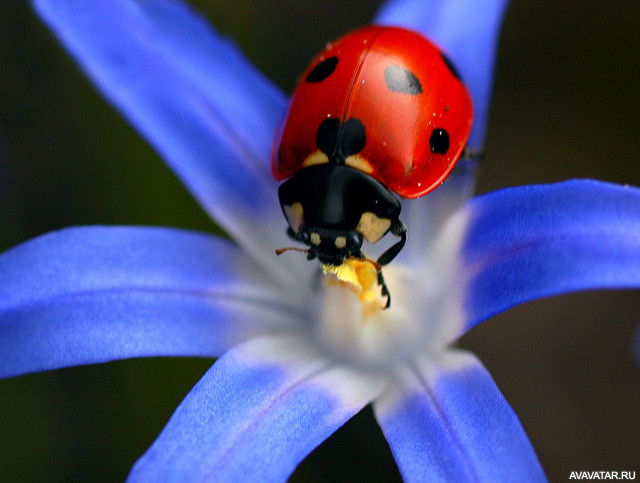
[398, 229]
[383, 286]
[384, 290]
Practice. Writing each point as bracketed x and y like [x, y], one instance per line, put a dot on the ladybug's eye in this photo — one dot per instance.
[323, 70]
[450, 66]
[401, 80]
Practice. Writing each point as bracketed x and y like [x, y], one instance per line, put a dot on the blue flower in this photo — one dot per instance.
[295, 363]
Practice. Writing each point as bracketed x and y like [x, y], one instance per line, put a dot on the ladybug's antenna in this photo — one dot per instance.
[280, 251]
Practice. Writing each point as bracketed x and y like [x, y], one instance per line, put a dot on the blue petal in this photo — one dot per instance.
[424, 217]
[256, 414]
[208, 112]
[468, 31]
[536, 241]
[451, 423]
[88, 295]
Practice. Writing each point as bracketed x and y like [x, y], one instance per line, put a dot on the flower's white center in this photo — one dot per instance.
[348, 321]
[361, 276]
[352, 325]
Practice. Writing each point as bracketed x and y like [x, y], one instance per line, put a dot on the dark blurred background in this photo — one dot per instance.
[566, 105]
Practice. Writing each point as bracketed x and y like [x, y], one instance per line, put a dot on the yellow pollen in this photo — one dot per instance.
[361, 277]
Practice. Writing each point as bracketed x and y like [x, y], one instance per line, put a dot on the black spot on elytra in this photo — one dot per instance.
[323, 70]
[401, 80]
[327, 136]
[450, 66]
[339, 141]
[352, 138]
[439, 141]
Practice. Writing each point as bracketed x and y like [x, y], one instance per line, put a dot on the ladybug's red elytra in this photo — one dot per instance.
[379, 111]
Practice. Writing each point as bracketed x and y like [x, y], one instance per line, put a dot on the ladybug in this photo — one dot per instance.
[379, 112]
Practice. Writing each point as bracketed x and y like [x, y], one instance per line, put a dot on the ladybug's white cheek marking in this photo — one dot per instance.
[315, 239]
[295, 215]
[372, 227]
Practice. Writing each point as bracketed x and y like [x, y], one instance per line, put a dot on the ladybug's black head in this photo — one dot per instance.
[330, 247]
[332, 208]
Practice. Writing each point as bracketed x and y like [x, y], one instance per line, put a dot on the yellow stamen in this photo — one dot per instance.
[361, 276]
